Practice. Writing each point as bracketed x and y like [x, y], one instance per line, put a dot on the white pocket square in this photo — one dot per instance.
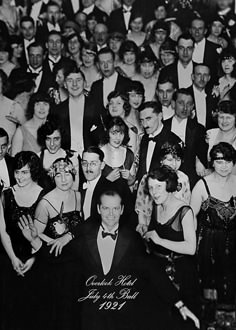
[93, 128]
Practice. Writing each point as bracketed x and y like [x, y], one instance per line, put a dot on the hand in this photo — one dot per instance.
[153, 236]
[27, 265]
[58, 244]
[142, 229]
[125, 174]
[200, 168]
[114, 175]
[28, 228]
[186, 313]
[216, 91]
[17, 265]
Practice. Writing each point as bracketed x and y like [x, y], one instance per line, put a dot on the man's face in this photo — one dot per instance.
[201, 76]
[223, 4]
[128, 2]
[91, 165]
[150, 120]
[165, 93]
[87, 3]
[74, 45]
[54, 45]
[81, 20]
[106, 64]
[36, 57]
[28, 30]
[198, 30]
[110, 210]
[185, 49]
[114, 44]
[3, 146]
[74, 83]
[183, 106]
[100, 34]
[53, 14]
[53, 142]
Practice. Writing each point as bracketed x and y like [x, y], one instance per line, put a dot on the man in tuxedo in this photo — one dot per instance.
[77, 115]
[28, 32]
[204, 102]
[181, 70]
[100, 36]
[205, 51]
[156, 134]
[191, 133]
[111, 81]
[6, 162]
[92, 166]
[89, 7]
[165, 91]
[36, 8]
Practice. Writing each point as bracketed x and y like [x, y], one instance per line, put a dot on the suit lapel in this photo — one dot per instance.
[93, 247]
[120, 248]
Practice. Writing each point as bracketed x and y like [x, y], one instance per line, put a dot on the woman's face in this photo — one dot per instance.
[135, 100]
[228, 65]
[160, 13]
[116, 137]
[17, 50]
[41, 109]
[116, 107]
[226, 121]
[147, 69]
[160, 36]
[136, 24]
[157, 190]
[91, 25]
[23, 176]
[172, 161]
[3, 57]
[60, 78]
[167, 57]
[222, 167]
[129, 58]
[63, 180]
[53, 142]
[88, 59]
[73, 45]
[216, 28]
[115, 44]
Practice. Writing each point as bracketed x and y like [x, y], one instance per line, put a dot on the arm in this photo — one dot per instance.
[17, 142]
[187, 246]
[197, 197]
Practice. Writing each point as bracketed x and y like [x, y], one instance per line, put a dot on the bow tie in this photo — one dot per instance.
[153, 139]
[35, 74]
[112, 235]
[127, 10]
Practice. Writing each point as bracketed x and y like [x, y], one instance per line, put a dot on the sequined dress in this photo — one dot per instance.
[216, 246]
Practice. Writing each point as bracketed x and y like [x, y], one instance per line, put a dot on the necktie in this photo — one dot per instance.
[105, 234]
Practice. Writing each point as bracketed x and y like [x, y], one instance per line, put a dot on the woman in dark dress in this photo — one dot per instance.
[171, 238]
[21, 199]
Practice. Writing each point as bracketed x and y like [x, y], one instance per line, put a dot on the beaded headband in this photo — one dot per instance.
[60, 167]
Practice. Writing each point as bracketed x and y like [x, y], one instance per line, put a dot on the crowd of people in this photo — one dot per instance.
[117, 164]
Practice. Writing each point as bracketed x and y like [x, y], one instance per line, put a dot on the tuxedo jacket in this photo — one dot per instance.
[211, 104]
[116, 21]
[195, 145]
[211, 58]
[100, 15]
[92, 128]
[10, 167]
[129, 259]
[164, 136]
[96, 93]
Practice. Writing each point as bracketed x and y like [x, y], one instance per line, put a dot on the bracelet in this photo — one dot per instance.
[70, 233]
[182, 305]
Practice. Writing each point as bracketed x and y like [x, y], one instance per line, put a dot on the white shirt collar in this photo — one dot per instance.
[197, 91]
[158, 131]
[91, 184]
[224, 12]
[89, 9]
[51, 58]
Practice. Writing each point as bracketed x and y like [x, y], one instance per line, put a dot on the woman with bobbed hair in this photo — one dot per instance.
[136, 32]
[5, 54]
[19, 200]
[213, 202]
[128, 54]
[74, 44]
[171, 237]
[25, 137]
[167, 52]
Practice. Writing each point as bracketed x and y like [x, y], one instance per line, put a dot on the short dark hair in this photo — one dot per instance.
[164, 173]
[37, 97]
[71, 36]
[201, 64]
[52, 3]
[128, 46]
[227, 106]
[106, 50]
[161, 24]
[121, 127]
[65, 64]
[35, 44]
[54, 32]
[94, 150]
[163, 79]
[4, 133]
[74, 69]
[110, 193]
[185, 36]
[114, 94]
[227, 53]
[171, 148]
[155, 106]
[183, 91]
[32, 160]
[137, 87]
[48, 128]
[224, 148]
[27, 19]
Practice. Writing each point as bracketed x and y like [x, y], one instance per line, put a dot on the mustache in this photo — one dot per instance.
[89, 172]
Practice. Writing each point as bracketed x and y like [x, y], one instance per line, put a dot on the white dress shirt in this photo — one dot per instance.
[200, 105]
[179, 127]
[4, 174]
[52, 27]
[37, 80]
[127, 14]
[89, 9]
[109, 85]
[26, 45]
[106, 248]
[52, 61]
[167, 112]
[151, 146]
[75, 5]
[90, 185]
[199, 49]
[76, 115]
[184, 74]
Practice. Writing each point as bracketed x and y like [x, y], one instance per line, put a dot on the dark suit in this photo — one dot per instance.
[10, 168]
[116, 21]
[129, 259]
[211, 57]
[90, 120]
[101, 16]
[96, 93]
[164, 136]
[195, 145]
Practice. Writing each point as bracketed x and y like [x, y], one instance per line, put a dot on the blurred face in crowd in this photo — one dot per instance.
[157, 190]
[216, 28]
[106, 64]
[116, 107]
[136, 24]
[160, 13]
[223, 4]
[91, 23]
[198, 30]
[201, 76]
[160, 36]
[36, 57]
[183, 106]
[81, 20]
[3, 146]
[17, 50]
[53, 13]
[147, 69]
[91, 165]
[28, 30]
[128, 3]
[88, 58]
[135, 99]
[114, 44]
[23, 176]
[4, 56]
[110, 210]
[184, 50]
[60, 78]
[228, 64]
[226, 121]
[53, 142]
[171, 160]
[100, 34]
[129, 58]
[87, 3]
[54, 45]
[150, 120]
[74, 45]
[167, 57]
[116, 137]
[165, 93]
[41, 109]
[74, 83]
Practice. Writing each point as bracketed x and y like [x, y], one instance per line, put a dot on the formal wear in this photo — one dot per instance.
[7, 171]
[100, 15]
